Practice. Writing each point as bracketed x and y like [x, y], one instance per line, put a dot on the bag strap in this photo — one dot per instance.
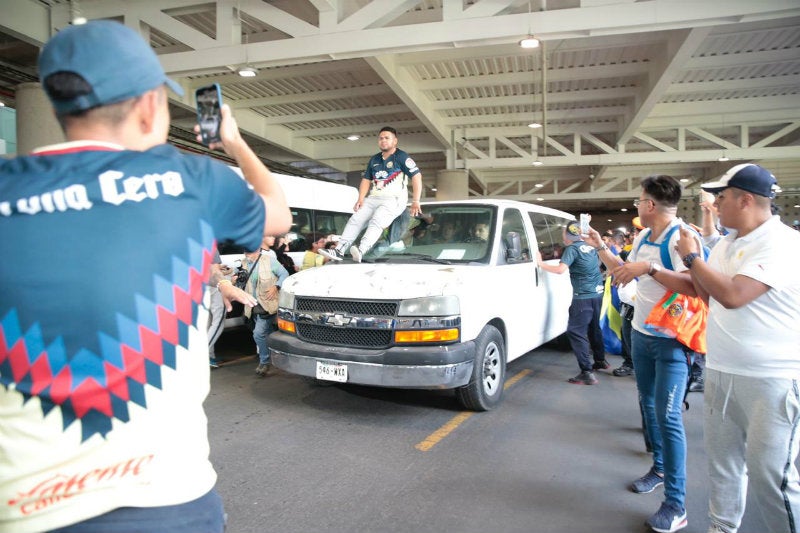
[666, 259]
[252, 268]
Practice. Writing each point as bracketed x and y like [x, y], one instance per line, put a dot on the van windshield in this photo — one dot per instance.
[448, 233]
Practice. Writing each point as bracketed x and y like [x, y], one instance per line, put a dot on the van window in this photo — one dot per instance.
[548, 230]
[512, 222]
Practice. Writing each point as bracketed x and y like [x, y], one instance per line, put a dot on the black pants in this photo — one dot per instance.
[583, 330]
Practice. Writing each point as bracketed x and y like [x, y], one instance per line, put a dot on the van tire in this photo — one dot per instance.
[485, 388]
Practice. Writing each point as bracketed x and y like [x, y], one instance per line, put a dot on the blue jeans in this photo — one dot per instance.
[584, 333]
[662, 372]
[203, 515]
[265, 324]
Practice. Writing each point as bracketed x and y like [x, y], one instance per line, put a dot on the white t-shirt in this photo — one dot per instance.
[762, 338]
[648, 291]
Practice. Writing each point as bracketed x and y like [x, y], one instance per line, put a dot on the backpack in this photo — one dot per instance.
[665, 309]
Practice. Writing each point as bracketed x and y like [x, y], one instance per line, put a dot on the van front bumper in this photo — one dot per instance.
[411, 367]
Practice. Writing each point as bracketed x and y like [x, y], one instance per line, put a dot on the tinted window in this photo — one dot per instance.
[512, 222]
[548, 230]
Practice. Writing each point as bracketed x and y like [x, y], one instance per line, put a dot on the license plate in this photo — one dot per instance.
[332, 371]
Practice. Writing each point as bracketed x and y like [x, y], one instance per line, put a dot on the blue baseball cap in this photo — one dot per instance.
[747, 177]
[113, 59]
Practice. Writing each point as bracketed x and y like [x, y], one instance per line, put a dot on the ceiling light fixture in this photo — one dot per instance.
[723, 158]
[530, 41]
[353, 137]
[246, 71]
[537, 163]
[75, 16]
[534, 125]
[539, 185]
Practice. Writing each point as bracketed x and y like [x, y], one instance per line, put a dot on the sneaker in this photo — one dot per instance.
[601, 365]
[584, 378]
[667, 519]
[698, 384]
[648, 482]
[262, 369]
[624, 370]
[356, 253]
[331, 253]
[213, 363]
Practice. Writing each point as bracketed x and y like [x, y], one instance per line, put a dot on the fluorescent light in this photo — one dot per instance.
[684, 180]
[534, 125]
[540, 199]
[353, 137]
[624, 209]
[529, 42]
[537, 163]
[539, 185]
[247, 72]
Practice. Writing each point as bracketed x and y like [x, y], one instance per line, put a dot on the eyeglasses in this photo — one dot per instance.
[639, 201]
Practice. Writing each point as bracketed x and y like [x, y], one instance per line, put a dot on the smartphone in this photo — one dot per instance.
[584, 222]
[209, 101]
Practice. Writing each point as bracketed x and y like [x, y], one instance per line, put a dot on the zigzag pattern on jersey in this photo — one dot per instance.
[94, 389]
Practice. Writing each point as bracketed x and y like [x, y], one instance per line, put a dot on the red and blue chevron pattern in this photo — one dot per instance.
[93, 389]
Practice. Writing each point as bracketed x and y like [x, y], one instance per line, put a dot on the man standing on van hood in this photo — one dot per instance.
[103, 338]
[386, 181]
[583, 328]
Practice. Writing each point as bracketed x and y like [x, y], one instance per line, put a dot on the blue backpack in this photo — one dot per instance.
[666, 259]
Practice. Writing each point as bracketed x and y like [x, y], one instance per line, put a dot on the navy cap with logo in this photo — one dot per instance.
[573, 231]
[747, 177]
[113, 59]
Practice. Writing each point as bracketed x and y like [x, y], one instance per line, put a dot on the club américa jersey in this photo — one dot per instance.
[103, 349]
[390, 176]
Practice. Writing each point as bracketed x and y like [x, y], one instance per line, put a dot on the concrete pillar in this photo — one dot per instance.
[452, 185]
[36, 122]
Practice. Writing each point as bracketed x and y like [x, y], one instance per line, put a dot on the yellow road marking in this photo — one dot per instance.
[434, 438]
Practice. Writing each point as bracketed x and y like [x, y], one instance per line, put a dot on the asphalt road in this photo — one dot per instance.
[294, 455]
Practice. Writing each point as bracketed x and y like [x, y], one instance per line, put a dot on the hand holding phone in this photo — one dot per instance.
[584, 223]
[209, 116]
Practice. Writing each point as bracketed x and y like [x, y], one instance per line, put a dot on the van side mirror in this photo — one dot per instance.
[513, 247]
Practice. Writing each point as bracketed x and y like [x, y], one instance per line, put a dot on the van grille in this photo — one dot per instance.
[349, 307]
[356, 337]
[362, 338]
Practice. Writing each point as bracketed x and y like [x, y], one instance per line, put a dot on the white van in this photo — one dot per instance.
[447, 306]
[317, 207]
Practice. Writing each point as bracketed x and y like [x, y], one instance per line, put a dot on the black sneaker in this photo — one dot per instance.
[601, 365]
[668, 518]
[698, 384]
[624, 370]
[584, 378]
[333, 254]
[648, 482]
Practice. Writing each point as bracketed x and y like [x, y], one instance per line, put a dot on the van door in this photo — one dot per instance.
[556, 287]
[524, 295]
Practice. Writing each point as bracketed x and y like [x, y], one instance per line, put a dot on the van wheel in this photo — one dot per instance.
[485, 388]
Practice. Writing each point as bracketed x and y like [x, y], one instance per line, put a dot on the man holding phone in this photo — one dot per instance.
[103, 371]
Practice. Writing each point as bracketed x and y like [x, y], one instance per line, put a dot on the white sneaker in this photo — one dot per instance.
[333, 254]
[356, 253]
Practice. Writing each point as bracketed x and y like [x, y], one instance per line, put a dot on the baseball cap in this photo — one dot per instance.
[573, 231]
[113, 59]
[748, 177]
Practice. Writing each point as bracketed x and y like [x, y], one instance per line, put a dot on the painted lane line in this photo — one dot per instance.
[434, 438]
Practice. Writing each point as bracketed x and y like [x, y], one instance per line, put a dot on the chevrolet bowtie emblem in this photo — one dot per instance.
[338, 320]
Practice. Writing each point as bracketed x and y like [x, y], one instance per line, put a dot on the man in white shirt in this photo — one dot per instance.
[752, 397]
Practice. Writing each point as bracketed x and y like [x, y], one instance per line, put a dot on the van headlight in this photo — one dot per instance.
[430, 306]
[433, 319]
[286, 322]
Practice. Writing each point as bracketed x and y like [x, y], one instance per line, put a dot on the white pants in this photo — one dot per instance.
[377, 213]
[751, 434]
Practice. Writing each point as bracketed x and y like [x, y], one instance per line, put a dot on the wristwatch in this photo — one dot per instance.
[689, 259]
[654, 267]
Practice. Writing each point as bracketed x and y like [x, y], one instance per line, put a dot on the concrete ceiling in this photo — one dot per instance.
[623, 88]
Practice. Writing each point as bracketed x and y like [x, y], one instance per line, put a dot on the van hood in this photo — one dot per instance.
[377, 281]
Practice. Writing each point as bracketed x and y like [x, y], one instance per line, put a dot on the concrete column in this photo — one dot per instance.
[452, 185]
[36, 122]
